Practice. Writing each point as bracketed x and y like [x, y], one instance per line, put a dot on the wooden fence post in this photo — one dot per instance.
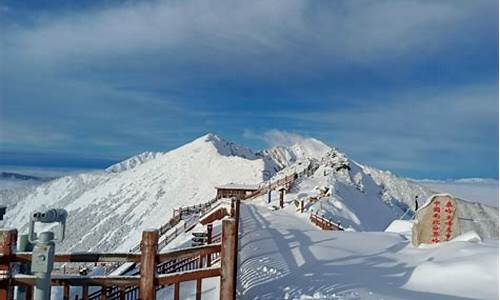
[177, 291]
[231, 213]
[209, 241]
[66, 292]
[227, 284]
[198, 281]
[122, 293]
[8, 240]
[149, 248]
[301, 206]
[85, 292]
[237, 228]
[282, 197]
[104, 293]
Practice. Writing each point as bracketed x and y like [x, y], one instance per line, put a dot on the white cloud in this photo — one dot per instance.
[247, 35]
[421, 130]
[276, 137]
[18, 134]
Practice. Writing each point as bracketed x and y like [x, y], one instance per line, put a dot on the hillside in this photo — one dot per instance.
[284, 256]
[108, 209]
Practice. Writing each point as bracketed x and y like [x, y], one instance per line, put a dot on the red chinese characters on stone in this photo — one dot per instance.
[436, 222]
[449, 223]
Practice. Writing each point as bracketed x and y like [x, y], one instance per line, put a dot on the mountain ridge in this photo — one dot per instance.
[109, 209]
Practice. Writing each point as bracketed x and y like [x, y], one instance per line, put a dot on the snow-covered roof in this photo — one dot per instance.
[237, 186]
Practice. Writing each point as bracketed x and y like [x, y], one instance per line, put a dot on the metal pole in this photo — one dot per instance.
[42, 263]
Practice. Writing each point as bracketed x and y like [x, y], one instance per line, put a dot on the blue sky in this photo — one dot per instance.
[410, 86]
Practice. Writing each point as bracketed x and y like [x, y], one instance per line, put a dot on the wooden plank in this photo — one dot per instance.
[166, 279]
[77, 280]
[189, 252]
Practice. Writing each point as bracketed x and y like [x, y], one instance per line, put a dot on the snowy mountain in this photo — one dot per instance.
[109, 209]
[13, 180]
[306, 149]
[133, 162]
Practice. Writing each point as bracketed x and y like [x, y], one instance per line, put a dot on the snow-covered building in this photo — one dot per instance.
[239, 191]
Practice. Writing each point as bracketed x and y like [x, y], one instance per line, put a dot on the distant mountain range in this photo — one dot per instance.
[17, 176]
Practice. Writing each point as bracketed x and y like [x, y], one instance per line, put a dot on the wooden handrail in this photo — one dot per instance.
[120, 281]
[190, 252]
[77, 280]
[76, 257]
[166, 279]
[324, 223]
[115, 257]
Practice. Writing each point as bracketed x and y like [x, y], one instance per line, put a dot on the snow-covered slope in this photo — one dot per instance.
[347, 195]
[133, 162]
[108, 210]
[305, 149]
[283, 256]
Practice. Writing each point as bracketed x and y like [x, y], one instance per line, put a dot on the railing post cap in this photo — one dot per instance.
[6, 232]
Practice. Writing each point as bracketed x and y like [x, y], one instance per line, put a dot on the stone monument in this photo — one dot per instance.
[436, 221]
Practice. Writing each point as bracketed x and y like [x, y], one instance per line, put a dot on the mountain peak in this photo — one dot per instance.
[210, 137]
[223, 146]
[311, 148]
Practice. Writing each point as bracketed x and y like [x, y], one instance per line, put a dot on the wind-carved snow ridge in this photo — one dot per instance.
[109, 209]
[133, 162]
[341, 191]
[306, 149]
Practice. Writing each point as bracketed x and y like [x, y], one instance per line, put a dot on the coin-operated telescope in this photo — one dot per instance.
[42, 261]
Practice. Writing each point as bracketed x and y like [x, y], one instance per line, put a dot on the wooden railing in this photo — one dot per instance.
[265, 187]
[178, 215]
[157, 270]
[324, 223]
